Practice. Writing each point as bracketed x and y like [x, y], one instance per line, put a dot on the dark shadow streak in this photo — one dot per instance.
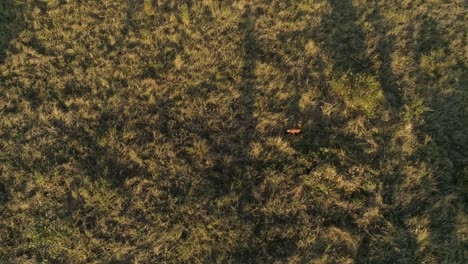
[245, 118]
[448, 168]
[343, 39]
[11, 24]
[100, 162]
[246, 108]
[232, 166]
[387, 78]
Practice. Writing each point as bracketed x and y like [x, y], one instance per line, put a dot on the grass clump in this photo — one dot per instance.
[359, 92]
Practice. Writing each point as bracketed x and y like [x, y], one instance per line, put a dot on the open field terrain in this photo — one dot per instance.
[154, 131]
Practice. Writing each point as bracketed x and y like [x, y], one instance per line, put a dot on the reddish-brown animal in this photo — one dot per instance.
[295, 130]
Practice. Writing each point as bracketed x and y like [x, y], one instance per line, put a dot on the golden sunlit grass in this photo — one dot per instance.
[155, 131]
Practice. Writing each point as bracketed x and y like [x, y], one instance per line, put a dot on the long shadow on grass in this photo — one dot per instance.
[11, 23]
[244, 174]
[247, 99]
[100, 162]
[446, 98]
[344, 41]
[387, 78]
[245, 112]
[232, 147]
[394, 101]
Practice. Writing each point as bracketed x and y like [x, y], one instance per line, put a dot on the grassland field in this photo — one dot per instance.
[154, 131]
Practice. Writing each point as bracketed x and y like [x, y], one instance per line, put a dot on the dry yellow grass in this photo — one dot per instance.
[154, 131]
